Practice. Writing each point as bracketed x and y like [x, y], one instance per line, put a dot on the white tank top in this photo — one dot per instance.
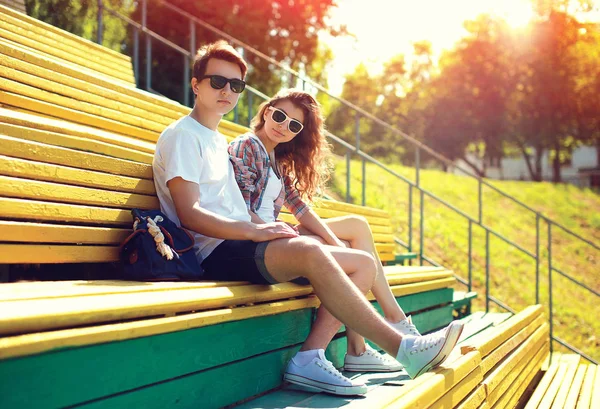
[267, 207]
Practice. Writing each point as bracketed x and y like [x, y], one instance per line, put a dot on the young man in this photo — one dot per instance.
[196, 187]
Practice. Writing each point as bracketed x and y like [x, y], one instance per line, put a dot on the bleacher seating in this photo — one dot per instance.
[76, 146]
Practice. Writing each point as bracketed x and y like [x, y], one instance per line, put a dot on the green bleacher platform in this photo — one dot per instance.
[76, 146]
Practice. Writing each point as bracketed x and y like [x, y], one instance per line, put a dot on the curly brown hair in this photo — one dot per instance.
[305, 159]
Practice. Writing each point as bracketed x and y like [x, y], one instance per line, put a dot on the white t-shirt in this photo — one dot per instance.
[189, 150]
[272, 192]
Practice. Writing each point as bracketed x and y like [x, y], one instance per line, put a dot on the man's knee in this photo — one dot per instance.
[360, 223]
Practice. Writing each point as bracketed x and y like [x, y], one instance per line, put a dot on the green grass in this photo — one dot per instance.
[512, 272]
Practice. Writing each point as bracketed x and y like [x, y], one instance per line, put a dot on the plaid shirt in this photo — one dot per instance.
[251, 164]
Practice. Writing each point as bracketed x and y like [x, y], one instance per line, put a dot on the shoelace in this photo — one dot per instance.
[328, 366]
[412, 330]
[377, 355]
[426, 342]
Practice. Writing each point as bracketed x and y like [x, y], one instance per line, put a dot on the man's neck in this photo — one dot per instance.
[208, 119]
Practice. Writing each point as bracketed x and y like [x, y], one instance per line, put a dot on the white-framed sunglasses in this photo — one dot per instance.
[277, 115]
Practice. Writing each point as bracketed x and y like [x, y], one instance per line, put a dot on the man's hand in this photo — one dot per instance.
[272, 231]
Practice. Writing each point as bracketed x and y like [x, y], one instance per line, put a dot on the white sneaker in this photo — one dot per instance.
[371, 361]
[406, 327]
[426, 352]
[321, 376]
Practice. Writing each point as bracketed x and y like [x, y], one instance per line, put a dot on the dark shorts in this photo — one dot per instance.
[240, 260]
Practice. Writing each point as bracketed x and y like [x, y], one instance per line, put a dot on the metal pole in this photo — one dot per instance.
[100, 32]
[537, 258]
[470, 286]
[418, 165]
[250, 95]
[186, 81]
[136, 56]
[480, 201]
[487, 270]
[410, 217]
[364, 182]
[422, 227]
[348, 153]
[550, 283]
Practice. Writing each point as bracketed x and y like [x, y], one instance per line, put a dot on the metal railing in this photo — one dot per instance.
[354, 150]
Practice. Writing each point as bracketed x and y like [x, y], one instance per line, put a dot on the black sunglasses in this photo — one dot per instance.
[219, 82]
[279, 116]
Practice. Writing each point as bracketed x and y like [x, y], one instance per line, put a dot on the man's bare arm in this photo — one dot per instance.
[193, 217]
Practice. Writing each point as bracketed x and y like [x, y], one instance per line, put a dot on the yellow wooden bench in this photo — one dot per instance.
[32, 34]
[75, 156]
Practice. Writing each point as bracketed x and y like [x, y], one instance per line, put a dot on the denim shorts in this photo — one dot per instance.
[240, 260]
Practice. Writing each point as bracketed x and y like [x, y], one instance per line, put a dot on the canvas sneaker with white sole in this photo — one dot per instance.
[420, 354]
[406, 327]
[321, 376]
[371, 361]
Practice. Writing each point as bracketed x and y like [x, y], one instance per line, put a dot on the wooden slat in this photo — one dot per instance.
[55, 192]
[455, 395]
[40, 315]
[44, 211]
[596, 389]
[354, 209]
[24, 232]
[39, 152]
[542, 388]
[474, 399]
[585, 397]
[563, 391]
[83, 43]
[23, 123]
[19, 36]
[418, 287]
[487, 342]
[53, 254]
[554, 386]
[25, 169]
[53, 105]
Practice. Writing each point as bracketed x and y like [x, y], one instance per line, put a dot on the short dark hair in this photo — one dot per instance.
[221, 51]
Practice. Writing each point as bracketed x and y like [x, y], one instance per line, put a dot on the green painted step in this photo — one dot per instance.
[462, 298]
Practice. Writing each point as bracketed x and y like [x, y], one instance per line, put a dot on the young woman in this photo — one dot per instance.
[283, 161]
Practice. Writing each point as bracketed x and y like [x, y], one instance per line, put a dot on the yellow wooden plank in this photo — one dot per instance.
[40, 152]
[22, 123]
[83, 43]
[93, 96]
[54, 253]
[352, 208]
[406, 289]
[326, 214]
[46, 314]
[44, 211]
[55, 192]
[542, 388]
[25, 169]
[19, 36]
[29, 344]
[417, 277]
[473, 400]
[497, 382]
[585, 397]
[75, 142]
[522, 381]
[64, 72]
[385, 248]
[576, 387]
[488, 341]
[444, 378]
[34, 290]
[505, 349]
[65, 43]
[458, 392]
[398, 269]
[119, 117]
[383, 238]
[596, 390]
[23, 232]
[53, 105]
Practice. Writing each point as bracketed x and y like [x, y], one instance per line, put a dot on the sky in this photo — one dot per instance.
[384, 28]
